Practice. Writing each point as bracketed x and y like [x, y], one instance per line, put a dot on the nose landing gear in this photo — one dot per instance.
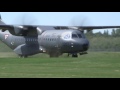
[75, 55]
[82, 53]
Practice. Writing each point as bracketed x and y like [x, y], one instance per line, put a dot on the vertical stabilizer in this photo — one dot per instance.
[1, 22]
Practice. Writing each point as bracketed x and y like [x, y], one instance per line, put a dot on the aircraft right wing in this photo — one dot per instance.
[86, 27]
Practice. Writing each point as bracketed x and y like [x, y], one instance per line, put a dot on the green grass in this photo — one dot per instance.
[93, 65]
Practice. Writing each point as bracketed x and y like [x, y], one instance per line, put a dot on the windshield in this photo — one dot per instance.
[74, 36]
[79, 35]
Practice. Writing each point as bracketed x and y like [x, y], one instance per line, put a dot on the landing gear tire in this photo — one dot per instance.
[68, 54]
[82, 53]
[74, 55]
[20, 56]
[23, 56]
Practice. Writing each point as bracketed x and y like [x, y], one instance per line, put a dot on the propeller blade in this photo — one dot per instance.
[26, 19]
[80, 21]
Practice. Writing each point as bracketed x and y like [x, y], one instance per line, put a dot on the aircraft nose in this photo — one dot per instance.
[85, 45]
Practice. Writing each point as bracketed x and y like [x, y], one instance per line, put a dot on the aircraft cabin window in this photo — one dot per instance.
[74, 36]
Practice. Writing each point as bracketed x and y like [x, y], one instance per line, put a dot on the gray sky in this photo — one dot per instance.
[63, 18]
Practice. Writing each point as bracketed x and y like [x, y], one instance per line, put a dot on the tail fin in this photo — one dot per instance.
[1, 22]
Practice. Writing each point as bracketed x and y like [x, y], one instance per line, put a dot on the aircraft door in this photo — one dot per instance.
[13, 41]
[58, 43]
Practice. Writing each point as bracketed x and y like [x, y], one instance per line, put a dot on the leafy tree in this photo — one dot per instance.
[99, 34]
[113, 33]
[117, 32]
[106, 33]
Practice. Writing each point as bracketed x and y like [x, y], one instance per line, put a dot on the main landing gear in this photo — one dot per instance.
[23, 56]
[73, 55]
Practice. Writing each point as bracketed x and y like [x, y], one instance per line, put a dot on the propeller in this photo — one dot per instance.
[25, 19]
[80, 20]
[22, 20]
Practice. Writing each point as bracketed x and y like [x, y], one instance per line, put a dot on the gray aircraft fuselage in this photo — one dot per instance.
[26, 40]
[52, 42]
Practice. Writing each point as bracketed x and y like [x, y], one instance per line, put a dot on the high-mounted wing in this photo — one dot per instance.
[96, 27]
[17, 30]
[35, 29]
[24, 30]
[85, 27]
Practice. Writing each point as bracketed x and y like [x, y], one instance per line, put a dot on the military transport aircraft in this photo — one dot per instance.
[26, 40]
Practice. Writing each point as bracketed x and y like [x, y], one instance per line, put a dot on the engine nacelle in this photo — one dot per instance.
[18, 31]
[21, 30]
[24, 31]
[39, 31]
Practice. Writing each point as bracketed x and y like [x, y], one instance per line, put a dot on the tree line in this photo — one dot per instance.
[104, 41]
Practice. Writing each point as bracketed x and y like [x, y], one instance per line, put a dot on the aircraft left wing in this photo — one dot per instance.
[33, 29]
[25, 29]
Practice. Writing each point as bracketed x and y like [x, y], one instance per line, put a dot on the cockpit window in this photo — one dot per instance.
[74, 36]
[79, 35]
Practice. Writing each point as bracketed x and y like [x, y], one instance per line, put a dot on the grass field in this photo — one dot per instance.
[93, 65]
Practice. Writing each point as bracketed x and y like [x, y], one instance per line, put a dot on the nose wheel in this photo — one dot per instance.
[76, 55]
[82, 53]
